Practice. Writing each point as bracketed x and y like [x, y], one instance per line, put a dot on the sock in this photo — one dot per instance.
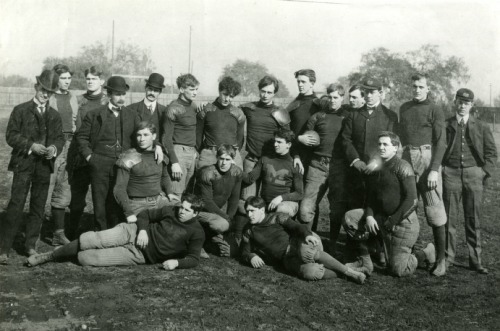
[440, 241]
[66, 251]
[58, 217]
[330, 262]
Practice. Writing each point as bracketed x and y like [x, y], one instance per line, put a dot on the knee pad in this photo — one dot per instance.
[312, 271]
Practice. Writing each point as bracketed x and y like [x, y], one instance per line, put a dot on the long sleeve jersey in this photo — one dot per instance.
[422, 123]
[217, 188]
[170, 238]
[279, 177]
[392, 191]
[270, 238]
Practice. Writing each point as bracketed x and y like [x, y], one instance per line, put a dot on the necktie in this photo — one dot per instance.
[115, 108]
[41, 109]
[462, 123]
[150, 110]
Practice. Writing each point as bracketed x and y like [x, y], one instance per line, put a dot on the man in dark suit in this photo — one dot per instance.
[469, 160]
[35, 134]
[149, 109]
[106, 132]
[359, 134]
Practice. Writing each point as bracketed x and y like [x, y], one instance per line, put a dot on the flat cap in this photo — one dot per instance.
[465, 94]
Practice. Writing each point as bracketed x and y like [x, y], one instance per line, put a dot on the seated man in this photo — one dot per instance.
[139, 178]
[282, 185]
[275, 238]
[219, 186]
[390, 214]
[170, 235]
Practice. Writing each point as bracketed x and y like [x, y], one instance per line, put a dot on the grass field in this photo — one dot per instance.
[222, 294]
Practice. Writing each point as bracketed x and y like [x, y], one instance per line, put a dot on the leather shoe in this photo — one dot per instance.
[480, 269]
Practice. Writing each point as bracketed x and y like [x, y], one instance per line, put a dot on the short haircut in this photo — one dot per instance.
[187, 80]
[395, 141]
[229, 85]
[226, 149]
[95, 71]
[335, 87]
[61, 69]
[418, 76]
[269, 80]
[286, 134]
[256, 202]
[146, 125]
[306, 72]
[357, 87]
[195, 201]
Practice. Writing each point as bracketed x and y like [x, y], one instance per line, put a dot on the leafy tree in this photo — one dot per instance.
[129, 60]
[249, 74]
[395, 70]
[15, 81]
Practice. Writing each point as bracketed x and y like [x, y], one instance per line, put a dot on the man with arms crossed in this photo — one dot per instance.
[422, 132]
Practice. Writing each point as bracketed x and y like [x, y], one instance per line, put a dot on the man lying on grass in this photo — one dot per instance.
[170, 235]
[275, 238]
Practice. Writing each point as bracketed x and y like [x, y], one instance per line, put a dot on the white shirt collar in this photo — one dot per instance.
[111, 106]
[38, 104]
[149, 103]
[466, 118]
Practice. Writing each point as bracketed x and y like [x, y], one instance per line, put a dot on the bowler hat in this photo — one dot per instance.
[155, 80]
[465, 94]
[117, 83]
[372, 84]
[49, 80]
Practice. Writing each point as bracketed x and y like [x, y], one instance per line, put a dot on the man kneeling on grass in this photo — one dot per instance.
[170, 235]
[276, 238]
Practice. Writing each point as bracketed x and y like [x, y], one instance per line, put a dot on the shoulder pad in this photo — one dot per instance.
[281, 116]
[208, 108]
[174, 109]
[403, 169]
[250, 105]
[237, 113]
[208, 173]
[128, 159]
[279, 218]
[293, 105]
[235, 171]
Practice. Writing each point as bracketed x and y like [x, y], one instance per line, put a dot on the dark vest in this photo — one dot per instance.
[110, 142]
[462, 155]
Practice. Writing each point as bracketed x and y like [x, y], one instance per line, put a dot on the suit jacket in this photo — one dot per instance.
[25, 128]
[140, 108]
[483, 143]
[360, 131]
[90, 132]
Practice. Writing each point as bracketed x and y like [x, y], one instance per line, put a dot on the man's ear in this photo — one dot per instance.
[154, 136]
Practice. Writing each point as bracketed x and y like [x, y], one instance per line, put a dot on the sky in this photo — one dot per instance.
[327, 36]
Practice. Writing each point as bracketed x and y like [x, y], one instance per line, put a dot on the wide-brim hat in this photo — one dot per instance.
[117, 83]
[49, 80]
[465, 94]
[155, 80]
[371, 84]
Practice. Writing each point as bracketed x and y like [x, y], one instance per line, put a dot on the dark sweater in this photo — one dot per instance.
[261, 126]
[218, 125]
[218, 188]
[328, 125]
[88, 102]
[170, 238]
[422, 123]
[392, 191]
[279, 177]
[270, 238]
[300, 110]
[179, 126]
[138, 176]
[65, 110]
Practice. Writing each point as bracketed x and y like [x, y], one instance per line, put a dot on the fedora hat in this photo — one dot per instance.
[155, 80]
[49, 80]
[117, 83]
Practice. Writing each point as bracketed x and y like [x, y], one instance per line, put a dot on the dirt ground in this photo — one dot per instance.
[222, 294]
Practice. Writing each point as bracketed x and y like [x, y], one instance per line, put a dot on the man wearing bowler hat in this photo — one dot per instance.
[106, 132]
[469, 160]
[35, 134]
[149, 109]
